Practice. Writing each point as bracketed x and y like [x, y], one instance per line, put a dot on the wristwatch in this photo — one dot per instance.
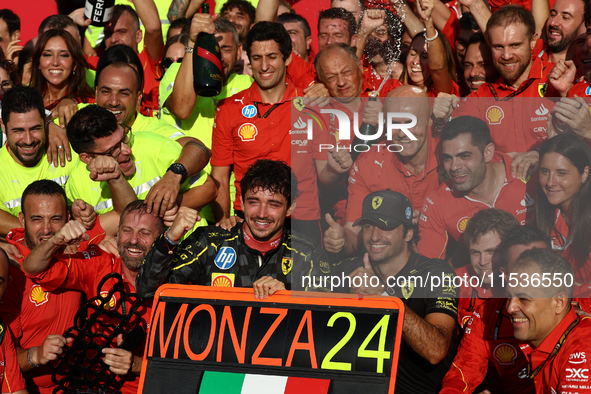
[179, 169]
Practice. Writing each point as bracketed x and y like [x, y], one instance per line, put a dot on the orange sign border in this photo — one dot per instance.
[282, 297]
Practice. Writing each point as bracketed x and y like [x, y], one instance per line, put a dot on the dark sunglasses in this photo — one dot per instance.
[167, 62]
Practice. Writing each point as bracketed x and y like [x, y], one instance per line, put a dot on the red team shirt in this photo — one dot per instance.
[517, 124]
[471, 298]
[568, 371]
[11, 378]
[446, 213]
[488, 340]
[83, 271]
[33, 313]
[381, 170]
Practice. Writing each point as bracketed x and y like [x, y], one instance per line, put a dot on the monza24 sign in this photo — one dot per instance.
[346, 342]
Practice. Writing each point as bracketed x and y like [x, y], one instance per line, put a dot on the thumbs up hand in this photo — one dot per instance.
[334, 236]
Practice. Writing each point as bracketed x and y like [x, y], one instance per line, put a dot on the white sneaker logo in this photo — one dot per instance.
[542, 110]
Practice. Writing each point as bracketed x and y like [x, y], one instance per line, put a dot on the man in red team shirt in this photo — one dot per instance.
[479, 178]
[38, 318]
[124, 28]
[47, 267]
[11, 379]
[488, 335]
[483, 234]
[256, 123]
[412, 171]
[554, 339]
[517, 126]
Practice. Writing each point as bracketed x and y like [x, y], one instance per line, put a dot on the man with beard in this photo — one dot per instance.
[478, 65]
[50, 269]
[429, 326]
[24, 158]
[241, 14]
[38, 318]
[479, 178]
[379, 46]
[518, 127]
[561, 28]
[412, 171]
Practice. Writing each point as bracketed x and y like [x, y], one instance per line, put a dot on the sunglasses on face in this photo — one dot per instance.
[167, 62]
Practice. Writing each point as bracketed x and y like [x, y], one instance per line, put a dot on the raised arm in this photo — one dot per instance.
[412, 23]
[372, 19]
[435, 49]
[541, 11]
[40, 257]
[267, 10]
[148, 14]
[183, 98]
[480, 12]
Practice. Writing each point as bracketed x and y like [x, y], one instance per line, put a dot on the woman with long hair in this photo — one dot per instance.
[562, 206]
[59, 69]
[430, 61]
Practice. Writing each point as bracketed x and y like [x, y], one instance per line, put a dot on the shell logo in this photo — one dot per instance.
[505, 354]
[247, 132]
[462, 223]
[109, 305]
[38, 296]
[222, 280]
[465, 321]
[494, 115]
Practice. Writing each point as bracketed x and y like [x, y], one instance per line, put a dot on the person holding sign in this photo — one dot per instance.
[260, 252]
[390, 268]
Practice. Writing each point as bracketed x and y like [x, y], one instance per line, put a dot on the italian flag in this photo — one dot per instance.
[236, 383]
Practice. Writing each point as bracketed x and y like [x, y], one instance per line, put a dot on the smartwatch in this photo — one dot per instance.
[179, 169]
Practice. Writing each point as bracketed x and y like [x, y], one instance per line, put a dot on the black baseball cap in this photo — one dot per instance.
[387, 209]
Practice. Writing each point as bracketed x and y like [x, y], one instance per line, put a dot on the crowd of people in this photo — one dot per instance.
[113, 164]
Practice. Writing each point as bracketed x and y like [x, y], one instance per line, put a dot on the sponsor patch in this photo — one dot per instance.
[222, 280]
[286, 264]
[225, 258]
[408, 212]
[494, 115]
[462, 224]
[376, 202]
[577, 358]
[109, 305]
[247, 132]
[38, 296]
[249, 111]
[298, 103]
[505, 354]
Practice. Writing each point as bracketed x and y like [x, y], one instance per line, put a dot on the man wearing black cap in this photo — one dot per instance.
[389, 267]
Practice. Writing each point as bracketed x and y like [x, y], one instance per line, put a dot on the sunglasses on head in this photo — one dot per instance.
[167, 62]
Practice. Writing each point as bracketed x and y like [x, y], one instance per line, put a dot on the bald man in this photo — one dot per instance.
[412, 171]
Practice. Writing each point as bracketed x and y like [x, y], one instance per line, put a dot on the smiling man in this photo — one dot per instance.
[412, 171]
[554, 339]
[262, 252]
[428, 344]
[483, 235]
[23, 159]
[48, 267]
[477, 63]
[479, 178]
[145, 159]
[254, 123]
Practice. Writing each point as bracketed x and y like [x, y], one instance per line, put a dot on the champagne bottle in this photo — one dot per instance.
[364, 129]
[207, 63]
[99, 11]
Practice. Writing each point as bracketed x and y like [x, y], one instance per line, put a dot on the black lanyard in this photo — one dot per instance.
[557, 347]
[266, 113]
[493, 91]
